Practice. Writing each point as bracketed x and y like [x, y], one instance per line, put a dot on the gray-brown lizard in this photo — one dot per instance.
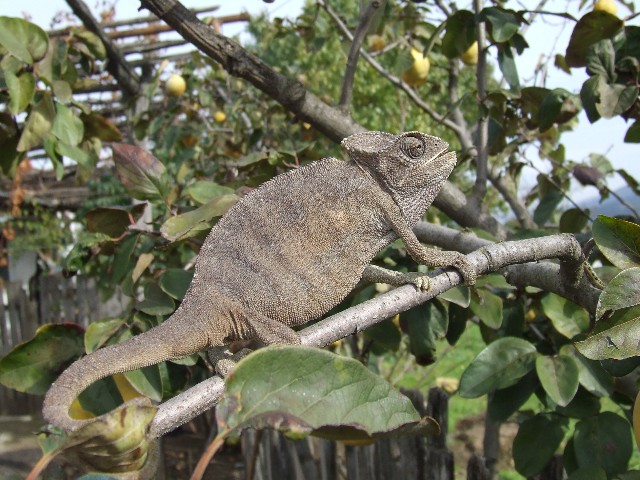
[287, 253]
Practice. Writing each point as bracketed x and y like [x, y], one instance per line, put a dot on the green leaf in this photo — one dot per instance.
[304, 390]
[425, 324]
[146, 381]
[588, 474]
[460, 33]
[190, 223]
[615, 98]
[621, 292]
[111, 221]
[504, 23]
[67, 126]
[601, 59]
[508, 67]
[618, 240]
[93, 43]
[203, 191]
[385, 336]
[590, 97]
[547, 207]
[488, 309]
[9, 154]
[583, 405]
[536, 442]
[141, 173]
[573, 220]
[504, 402]
[500, 365]
[95, 125]
[590, 29]
[62, 91]
[618, 342]
[100, 333]
[82, 250]
[21, 91]
[122, 262]
[23, 39]
[567, 318]
[558, 106]
[559, 377]
[633, 133]
[591, 376]
[156, 302]
[603, 441]
[82, 157]
[458, 317]
[175, 282]
[38, 125]
[459, 295]
[32, 366]
[101, 397]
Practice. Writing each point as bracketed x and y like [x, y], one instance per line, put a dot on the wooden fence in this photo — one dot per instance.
[47, 299]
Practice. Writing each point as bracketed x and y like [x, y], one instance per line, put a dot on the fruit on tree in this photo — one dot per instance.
[175, 85]
[416, 75]
[470, 57]
[608, 6]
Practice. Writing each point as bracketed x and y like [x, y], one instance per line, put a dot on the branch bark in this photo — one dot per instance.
[117, 65]
[490, 258]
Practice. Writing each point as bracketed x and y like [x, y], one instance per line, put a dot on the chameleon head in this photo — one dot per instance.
[408, 162]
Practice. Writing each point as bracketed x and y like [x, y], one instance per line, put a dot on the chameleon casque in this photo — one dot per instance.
[287, 253]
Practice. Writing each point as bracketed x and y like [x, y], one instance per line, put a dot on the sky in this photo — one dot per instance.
[546, 35]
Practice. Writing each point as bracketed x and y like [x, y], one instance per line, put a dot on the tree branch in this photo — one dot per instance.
[352, 60]
[482, 159]
[117, 65]
[490, 258]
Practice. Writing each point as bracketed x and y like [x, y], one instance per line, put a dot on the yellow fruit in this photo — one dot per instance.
[470, 57]
[416, 75]
[608, 6]
[306, 126]
[376, 43]
[175, 85]
[636, 420]
[219, 116]
[448, 384]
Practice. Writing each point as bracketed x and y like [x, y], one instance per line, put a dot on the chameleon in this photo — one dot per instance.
[287, 253]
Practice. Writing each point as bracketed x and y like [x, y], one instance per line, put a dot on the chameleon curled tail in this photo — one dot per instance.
[169, 341]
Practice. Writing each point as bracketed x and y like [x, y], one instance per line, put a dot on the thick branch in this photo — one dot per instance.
[117, 65]
[354, 53]
[490, 258]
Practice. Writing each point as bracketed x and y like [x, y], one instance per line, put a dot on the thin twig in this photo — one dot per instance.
[482, 159]
[352, 60]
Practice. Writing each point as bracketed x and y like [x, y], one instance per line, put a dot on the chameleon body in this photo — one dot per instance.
[287, 253]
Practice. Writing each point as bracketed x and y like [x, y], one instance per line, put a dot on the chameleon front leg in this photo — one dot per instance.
[429, 256]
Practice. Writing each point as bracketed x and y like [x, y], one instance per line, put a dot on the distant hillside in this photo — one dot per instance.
[611, 206]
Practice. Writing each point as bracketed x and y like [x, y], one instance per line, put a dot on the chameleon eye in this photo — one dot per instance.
[412, 147]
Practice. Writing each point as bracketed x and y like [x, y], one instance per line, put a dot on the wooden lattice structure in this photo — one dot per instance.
[135, 47]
